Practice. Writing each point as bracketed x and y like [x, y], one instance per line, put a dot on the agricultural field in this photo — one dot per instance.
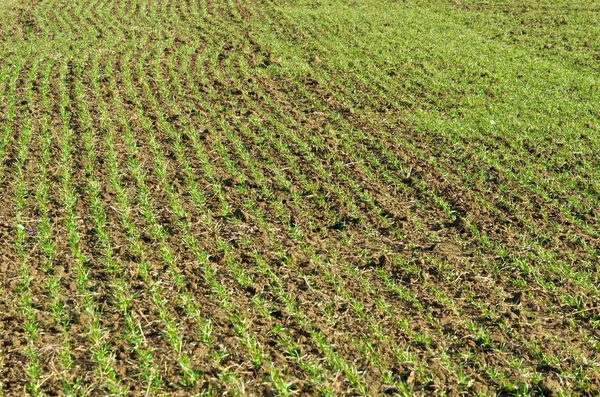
[300, 197]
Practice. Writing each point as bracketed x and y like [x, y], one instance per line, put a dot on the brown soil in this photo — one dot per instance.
[353, 253]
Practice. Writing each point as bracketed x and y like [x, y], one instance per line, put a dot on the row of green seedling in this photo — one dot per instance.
[237, 320]
[252, 167]
[98, 337]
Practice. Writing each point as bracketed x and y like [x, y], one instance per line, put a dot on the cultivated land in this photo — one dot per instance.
[319, 197]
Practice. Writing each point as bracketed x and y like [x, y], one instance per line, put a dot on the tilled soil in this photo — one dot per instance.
[184, 212]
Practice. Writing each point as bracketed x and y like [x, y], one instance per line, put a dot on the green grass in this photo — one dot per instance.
[299, 197]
